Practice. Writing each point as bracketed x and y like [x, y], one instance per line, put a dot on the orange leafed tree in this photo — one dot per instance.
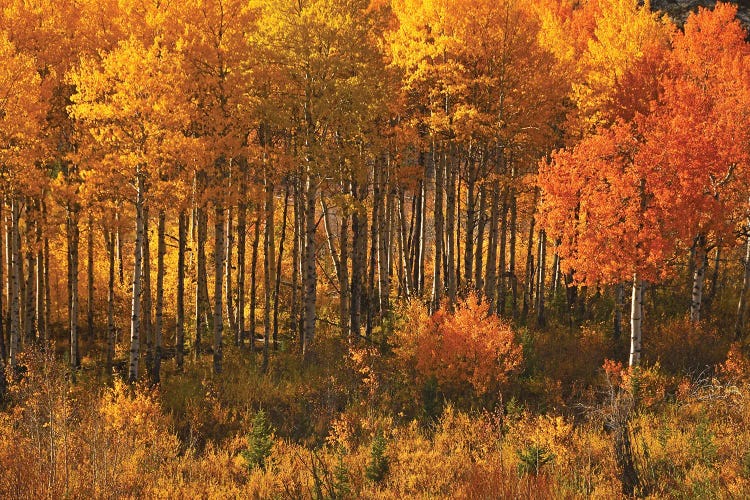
[598, 200]
[626, 199]
[699, 132]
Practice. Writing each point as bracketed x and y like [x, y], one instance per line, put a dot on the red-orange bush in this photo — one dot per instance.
[470, 345]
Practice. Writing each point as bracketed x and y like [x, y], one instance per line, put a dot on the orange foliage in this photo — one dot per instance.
[627, 198]
[468, 346]
[737, 366]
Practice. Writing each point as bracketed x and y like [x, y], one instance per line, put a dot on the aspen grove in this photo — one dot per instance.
[299, 243]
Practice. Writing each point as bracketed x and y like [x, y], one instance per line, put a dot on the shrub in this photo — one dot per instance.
[684, 347]
[467, 347]
[736, 368]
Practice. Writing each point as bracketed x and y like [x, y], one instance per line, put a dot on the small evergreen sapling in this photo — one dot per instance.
[259, 442]
[379, 464]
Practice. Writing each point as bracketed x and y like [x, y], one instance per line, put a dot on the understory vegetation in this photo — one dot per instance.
[384, 420]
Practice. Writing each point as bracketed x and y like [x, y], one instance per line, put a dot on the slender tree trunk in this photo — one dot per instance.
[528, 298]
[90, 279]
[269, 263]
[39, 287]
[135, 319]
[370, 301]
[13, 279]
[481, 222]
[229, 291]
[501, 270]
[471, 205]
[403, 266]
[21, 284]
[512, 258]
[437, 279]
[73, 234]
[383, 244]
[118, 246]
[311, 277]
[389, 231]
[161, 250]
[739, 325]
[619, 305]
[239, 332]
[636, 320]
[8, 235]
[459, 261]
[201, 292]
[180, 312]
[556, 274]
[342, 277]
[422, 224]
[528, 288]
[418, 240]
[714, 279]
[254, 279]
[359, 250]
[218, 285]
[699, 275]
[540, 318]
[30, 289]
[3, 348]
[21, 280]
[277, 281]
[571, 297]
[109, 240]
[297, 248]
[490, 280]
[146, 300]
[47, 289]
[450, 227]
[410, 245]
[3, 330]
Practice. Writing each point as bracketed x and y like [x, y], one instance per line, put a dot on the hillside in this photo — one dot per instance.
[678, 10]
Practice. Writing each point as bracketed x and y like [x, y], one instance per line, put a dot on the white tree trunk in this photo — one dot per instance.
[636, 320]
[13, 254]
[135, 319]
